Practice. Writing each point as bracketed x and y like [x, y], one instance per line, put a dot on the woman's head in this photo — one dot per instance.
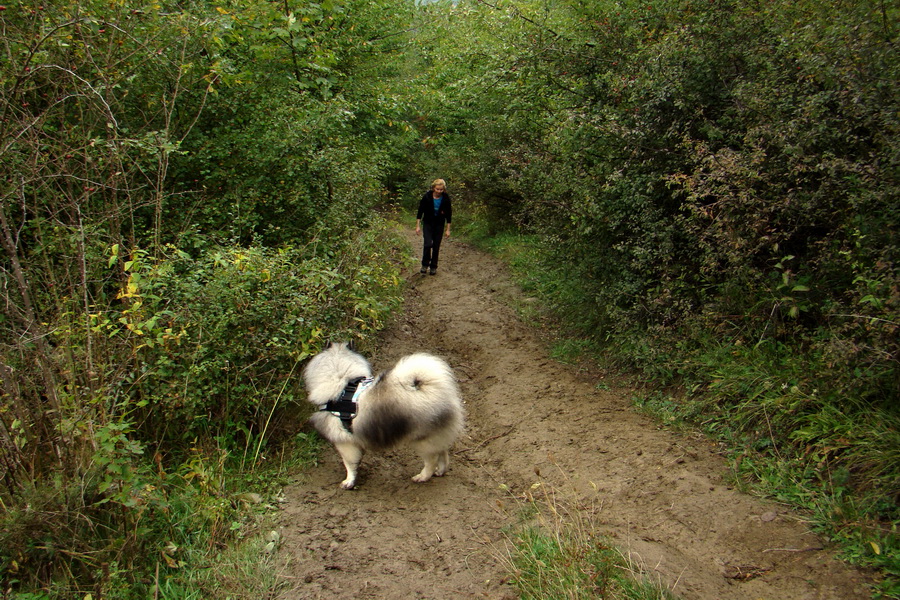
[438, 185]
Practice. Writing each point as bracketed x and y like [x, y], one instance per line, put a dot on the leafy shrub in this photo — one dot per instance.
[154, 156]
[221, 337]
[203, 357]
[713, 191]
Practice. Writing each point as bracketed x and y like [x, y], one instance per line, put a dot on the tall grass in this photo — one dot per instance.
[206, 530]
[556, 552]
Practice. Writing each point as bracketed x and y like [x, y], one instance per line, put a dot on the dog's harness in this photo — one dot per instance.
[345, 406]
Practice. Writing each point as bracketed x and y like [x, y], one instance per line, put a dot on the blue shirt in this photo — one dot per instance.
[437, 204]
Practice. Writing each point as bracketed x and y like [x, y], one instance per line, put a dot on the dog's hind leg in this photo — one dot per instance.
[351, 454]
[432, 461]
[428, 469]
[443, 463]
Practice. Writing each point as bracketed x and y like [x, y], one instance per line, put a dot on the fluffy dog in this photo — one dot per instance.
[417, 402]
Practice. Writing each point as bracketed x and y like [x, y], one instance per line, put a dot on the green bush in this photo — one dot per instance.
[709, 191]
[198, 358]
[185, 214]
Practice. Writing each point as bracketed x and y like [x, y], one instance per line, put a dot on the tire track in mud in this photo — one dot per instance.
[660, 496]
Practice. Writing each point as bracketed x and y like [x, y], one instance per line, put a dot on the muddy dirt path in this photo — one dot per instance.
[661, 496]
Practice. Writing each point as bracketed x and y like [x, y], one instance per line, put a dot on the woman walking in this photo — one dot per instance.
[435, 210]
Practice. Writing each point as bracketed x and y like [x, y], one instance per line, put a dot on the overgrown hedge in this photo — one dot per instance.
[197, 364]
[711, 194]
[187, 210]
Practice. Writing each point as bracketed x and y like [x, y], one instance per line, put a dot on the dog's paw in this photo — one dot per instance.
[421, 478]
[348, 484]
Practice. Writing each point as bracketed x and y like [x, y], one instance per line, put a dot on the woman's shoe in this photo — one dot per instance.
[433, 272]
[423, 269]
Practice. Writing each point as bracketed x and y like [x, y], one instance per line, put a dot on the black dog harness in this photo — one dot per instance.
[345, 406]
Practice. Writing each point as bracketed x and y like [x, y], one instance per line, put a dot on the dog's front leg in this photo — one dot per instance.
[351, 454]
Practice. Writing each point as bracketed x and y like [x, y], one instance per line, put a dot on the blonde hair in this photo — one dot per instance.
[438, 182]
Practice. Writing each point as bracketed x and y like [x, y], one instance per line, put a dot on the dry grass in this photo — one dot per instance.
[557, 551]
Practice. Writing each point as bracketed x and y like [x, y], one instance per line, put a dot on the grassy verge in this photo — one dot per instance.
[242, 563]
[247, 567]
[205, 530]
[793, 433]
[556, 551]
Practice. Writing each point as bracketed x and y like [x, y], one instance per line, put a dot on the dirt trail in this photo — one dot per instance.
[659, 495]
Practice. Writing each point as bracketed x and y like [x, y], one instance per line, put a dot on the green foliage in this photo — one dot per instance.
[186, 211]
[304, 119]
[566, 566]
[221, 337]
[158, 537]
[709, 193]
[610, 129]
[217, 342]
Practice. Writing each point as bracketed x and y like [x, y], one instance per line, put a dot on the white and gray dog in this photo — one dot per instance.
[417, 402]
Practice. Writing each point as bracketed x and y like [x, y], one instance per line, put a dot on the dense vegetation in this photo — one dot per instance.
[706, 191]
[185, 212]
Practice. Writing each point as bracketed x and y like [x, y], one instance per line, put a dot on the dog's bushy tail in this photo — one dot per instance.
[417, 398]
[422, 373]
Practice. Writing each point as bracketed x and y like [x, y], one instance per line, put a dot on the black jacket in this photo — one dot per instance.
[426, 210]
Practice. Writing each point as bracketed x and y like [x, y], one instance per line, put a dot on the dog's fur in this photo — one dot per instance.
[417, 401]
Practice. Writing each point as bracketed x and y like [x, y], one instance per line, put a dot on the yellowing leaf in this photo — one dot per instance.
[875, 548]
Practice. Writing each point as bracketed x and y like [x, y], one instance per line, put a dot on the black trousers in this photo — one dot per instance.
[431, 237]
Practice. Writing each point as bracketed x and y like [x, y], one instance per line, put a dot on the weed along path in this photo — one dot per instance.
[660, 497]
